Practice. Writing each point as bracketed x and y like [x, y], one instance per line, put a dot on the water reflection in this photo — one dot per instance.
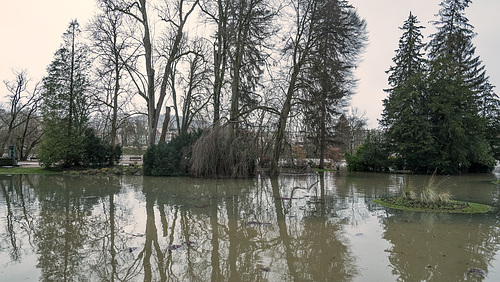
[317, 227]
[447, 247]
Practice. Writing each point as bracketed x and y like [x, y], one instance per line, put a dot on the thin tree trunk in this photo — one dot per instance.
[164, 129]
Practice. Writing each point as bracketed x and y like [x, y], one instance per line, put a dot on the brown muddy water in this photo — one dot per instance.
[316, 227]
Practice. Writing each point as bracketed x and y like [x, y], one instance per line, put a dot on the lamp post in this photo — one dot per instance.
[12, 154]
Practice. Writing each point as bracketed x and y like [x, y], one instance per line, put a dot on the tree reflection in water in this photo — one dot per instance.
[445, 246]
[293, 228]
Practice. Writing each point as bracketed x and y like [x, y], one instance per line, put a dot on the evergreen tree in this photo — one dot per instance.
[405, 114]
[329, 80]
[409, 59]
[441, 115]
[66, 102]
[456, 86]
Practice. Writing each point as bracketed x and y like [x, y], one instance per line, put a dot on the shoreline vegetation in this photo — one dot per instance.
[429, 200]
[401, 203]
[129, 169]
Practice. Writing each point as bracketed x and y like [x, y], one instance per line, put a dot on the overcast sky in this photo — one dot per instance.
[31, 30]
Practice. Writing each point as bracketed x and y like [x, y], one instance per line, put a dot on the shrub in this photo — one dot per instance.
[6, 162]
[222, 153]
[409, 191]
[96, 153]
[167, 159]
[429, 194]
[371, 156]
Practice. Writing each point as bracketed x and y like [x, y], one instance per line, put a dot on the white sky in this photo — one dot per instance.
[31, 31]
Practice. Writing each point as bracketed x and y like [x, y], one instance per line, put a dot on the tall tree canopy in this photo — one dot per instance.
[405, 108]
[436, 116]
[66, 101]
[328, 79]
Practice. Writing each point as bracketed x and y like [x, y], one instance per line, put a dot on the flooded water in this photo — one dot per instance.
[296, 228]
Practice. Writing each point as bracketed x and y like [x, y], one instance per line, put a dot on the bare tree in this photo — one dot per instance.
[311, 30]
[175, 16]
[192, 83]
[139, 12]
[110, 44]
[250, 27]
[299, 46]
[218, 12]
[22, 112]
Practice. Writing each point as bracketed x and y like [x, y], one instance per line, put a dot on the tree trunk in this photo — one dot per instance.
[285, 111]
[164, 129]
[220, 60]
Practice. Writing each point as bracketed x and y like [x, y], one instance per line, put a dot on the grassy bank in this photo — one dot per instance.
[27, 170]
[449, 207]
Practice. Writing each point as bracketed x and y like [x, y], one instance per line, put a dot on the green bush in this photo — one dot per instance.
[371, 156]
[166, 159]
[96, 153]
[6, 162]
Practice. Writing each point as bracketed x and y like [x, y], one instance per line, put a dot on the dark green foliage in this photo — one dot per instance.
[86, 150]
[65, 103]
[371, 156]
[96, 153]
[167, 159]
[329, 80]
[442, 116]
[6, 162]
[59, 149]
[409, 59]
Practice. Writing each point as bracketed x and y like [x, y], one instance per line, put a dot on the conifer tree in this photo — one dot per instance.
[328, 78]
[441, 116]
[409, 58]
[405, 109]
[66, 101]
[456, 84]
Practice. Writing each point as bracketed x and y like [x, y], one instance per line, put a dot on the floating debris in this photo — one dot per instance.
[202, 206]
[189, 243]
[131, 249]
[359, 234]
[258, 223]
[317, 202]
[285, 198]
[265, 269]
[476, 272]
[90, 197]
[173, 247]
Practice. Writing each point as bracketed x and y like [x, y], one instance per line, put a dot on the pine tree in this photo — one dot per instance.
[66, 101]
[405, 114]
[329, 80]
[409, 59]
[440, 114]
[456, 86]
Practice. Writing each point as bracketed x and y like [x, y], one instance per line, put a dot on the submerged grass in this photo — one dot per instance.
[449, 207]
